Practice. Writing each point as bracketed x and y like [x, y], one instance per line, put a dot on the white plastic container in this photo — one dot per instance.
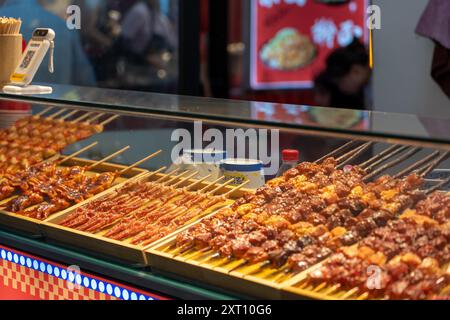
[204, 161]
[242, 170]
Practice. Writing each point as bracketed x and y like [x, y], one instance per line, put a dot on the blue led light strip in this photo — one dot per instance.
[90, 282]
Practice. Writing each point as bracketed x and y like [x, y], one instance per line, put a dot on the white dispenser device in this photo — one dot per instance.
[37, 48]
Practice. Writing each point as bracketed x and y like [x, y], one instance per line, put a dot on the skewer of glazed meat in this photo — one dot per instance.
[154, 197]
[74, 191]
[409, 253]
[62, 187]
[23, 180]
[107, 211]
[37, 125]
[277, 238]
[181, 216]
[22, 157]
[266, 209]
[162, 208]
[50, 133]
[35, 139]
[133, 224]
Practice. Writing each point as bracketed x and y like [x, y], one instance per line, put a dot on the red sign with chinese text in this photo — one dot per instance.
[291, 39]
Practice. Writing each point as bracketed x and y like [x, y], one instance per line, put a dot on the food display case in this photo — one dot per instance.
[96, 181]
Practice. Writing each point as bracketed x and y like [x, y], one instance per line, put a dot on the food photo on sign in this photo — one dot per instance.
[291, 39]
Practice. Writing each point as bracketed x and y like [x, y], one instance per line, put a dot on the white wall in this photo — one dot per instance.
[402, 81]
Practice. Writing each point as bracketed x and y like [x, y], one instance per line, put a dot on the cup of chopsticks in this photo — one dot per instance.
[10, 48]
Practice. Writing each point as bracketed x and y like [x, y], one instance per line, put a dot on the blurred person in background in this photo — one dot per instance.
[95, 40]
[144, 51]
[145, 28]
[343, 83]
[71, 64]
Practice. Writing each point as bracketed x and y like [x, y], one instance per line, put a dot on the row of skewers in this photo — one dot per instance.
[36, 138]
[143, 212]
[311, 212]
[406, 259]
[49, 187]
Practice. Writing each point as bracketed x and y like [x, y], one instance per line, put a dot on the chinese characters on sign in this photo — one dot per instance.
[290, 39]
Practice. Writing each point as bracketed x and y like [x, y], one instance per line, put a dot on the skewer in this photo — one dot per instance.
[185, 179]
[73, 155]
[416, 165]
[220, 186]
[385, 157]
[378, 156]
[40, 114]
[240, 265]
[56, 113]
[197, 253]
[392, 163]
[156, 172]
[76, 153]
[213, 256]
[86, 115]
[134, 165]
[236, 188]
[198, 182]
[96, 117]
[109, 157]
[350, 293]
[439, 185]
[68, 115]
[434, 164]
[348, 153]
[356, 153]
[172, 179]
[189, 185]
[210, 184]
[104, 123]
[336, 151]
[166, 175]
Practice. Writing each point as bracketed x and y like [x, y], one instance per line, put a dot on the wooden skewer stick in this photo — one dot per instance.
[434, 164]
[76, 153]
[348, 153]
[220, 186]
[336, 151]
[185, 179]
[156, 172]
[384, 158]
[356, 153]
[96, 117]
[210, 184]
[84, 116]
[44, 111]
[226, 195]
[172, 179]
[416, 165]
[240, 265]
[111, 119]
[151, 174]
[439, 185]
[192, 184]
[52, 116]
[379, 156]
[68, 115]
[134, 165]
[167, 175]
[391, 164]
[198, 182]
[115, 154]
